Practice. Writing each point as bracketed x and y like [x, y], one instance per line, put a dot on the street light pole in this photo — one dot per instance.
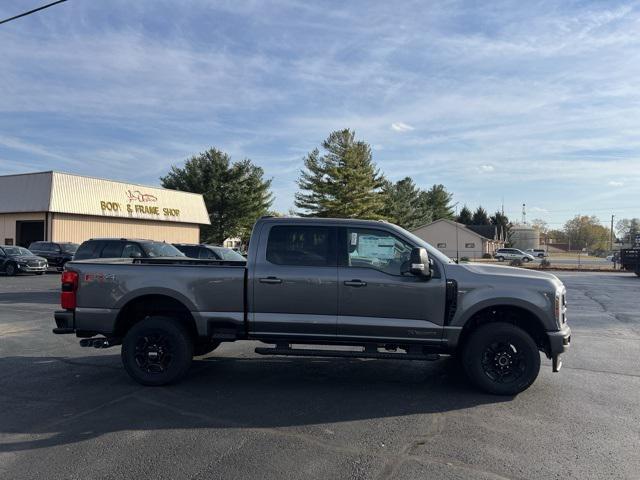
[611, 240]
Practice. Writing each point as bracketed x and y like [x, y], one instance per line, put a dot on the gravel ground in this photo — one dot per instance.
[72, 413]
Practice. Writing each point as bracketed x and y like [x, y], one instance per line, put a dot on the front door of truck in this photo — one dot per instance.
[295, 282]
[375, 299]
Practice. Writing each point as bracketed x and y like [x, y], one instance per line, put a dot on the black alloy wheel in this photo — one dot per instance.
[157, 351]
[501, 358]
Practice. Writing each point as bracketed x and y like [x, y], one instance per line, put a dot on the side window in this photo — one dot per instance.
[112, 250]
[376, 249]
[132, 250]
[88, 250]
[207, 254]
[191, 252]
[301, 245]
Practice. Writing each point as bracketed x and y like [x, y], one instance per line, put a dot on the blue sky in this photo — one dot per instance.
[533, 102]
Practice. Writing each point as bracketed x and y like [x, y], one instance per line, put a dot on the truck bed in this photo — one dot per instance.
[212, 290]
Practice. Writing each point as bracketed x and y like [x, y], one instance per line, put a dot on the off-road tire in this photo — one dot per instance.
[501, 359]
[157, 351]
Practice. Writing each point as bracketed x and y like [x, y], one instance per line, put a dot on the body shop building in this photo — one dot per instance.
[61, 207]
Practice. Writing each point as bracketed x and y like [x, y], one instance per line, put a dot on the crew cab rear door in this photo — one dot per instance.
[295, 282]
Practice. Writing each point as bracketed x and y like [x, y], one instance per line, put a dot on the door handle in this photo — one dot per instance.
[355, 283]
[270, 280]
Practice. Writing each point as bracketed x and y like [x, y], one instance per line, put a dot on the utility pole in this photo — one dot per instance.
[611, 239]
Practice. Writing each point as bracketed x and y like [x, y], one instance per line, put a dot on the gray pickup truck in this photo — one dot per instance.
[366, 288]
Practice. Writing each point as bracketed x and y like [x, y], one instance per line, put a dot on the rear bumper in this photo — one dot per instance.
[64, 322]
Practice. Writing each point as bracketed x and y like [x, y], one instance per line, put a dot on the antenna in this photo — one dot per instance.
[524, 214]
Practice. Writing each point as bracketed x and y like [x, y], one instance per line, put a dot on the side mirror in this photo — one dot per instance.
[135, 254]
[419, 264]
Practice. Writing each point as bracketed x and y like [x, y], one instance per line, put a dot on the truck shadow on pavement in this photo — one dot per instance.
[53, 401]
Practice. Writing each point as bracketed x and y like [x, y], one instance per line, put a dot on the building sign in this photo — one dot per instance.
[138, 203]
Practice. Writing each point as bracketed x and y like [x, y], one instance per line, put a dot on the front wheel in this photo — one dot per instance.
[10, 270]
[526, 259]
[501, 359]
[157, 351]
[500, 259]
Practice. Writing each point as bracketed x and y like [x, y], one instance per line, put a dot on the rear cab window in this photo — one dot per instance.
[302, 246]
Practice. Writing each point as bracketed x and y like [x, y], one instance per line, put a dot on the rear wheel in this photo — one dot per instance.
[157, 351]
[500, 259]
[501, 359]
[10, 269]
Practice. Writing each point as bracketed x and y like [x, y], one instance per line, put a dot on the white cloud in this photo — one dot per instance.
[614, 183]
[487, 168]
[401, 127]
[538, 210]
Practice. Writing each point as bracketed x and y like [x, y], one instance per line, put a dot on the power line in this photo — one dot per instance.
[31, 11]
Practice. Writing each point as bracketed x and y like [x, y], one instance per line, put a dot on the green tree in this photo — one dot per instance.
[628, 228]
[342, 182]
[480, 217]
[438, 201]
[465, 216]
[558, 236]
[402, 204]
[235, 194]
[504, 225]
[585, 231]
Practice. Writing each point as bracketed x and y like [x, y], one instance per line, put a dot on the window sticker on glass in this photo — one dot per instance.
[354, 238]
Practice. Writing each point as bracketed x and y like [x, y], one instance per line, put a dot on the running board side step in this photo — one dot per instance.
[367, 353]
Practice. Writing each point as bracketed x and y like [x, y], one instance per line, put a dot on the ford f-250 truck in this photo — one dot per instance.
[315, 283]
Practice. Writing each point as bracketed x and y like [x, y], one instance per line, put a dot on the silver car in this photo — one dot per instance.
[503, 254]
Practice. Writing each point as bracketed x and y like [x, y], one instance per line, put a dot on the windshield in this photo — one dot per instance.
[15, 251]
[228, 254]
[161, 249]
[433, 252]
[69, 247]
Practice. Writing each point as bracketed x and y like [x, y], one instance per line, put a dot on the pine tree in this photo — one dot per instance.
[438, 201]
[403, 206]
[465, 216]
[504, 225]
[235, 194]
[480, 217]
[343, 182]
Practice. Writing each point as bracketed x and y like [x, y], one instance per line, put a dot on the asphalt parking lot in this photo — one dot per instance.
[70, 412]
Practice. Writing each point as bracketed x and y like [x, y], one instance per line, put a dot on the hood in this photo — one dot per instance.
[485, 274]
[507, 271]
[25, 258]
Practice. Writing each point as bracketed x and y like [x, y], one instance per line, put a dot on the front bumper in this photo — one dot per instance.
[32, 269]
[559, 342]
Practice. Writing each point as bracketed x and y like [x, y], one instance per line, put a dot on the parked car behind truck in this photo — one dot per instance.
[14, 259]
[56, 253]
[369, 285]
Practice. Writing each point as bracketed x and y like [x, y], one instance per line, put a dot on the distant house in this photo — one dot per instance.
[454, 239]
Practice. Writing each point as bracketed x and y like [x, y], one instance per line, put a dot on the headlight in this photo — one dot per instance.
[560, 307]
